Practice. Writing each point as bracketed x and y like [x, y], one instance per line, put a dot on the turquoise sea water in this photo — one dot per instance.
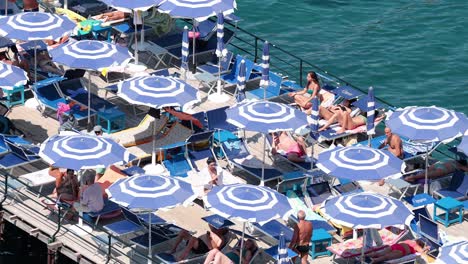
[411, 52]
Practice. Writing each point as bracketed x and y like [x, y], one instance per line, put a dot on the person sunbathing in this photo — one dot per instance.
[44, 61]
[112, 16]
[199, 245]
[304, 98]
[295, 151]
[439, 169]
[436, 170]
[398, 250]
[215, 256]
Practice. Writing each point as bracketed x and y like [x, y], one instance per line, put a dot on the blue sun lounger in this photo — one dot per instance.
[109, 208]
[273, 229]
[235, 150]
[177, 164]
[217, 120]
[458, 187]
[273, 89]
[131, 224]
[16, 157]
[212, 66]
[231, 77]
[304, 166]
[76, 91]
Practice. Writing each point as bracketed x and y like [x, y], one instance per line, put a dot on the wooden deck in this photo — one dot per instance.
[24, 209]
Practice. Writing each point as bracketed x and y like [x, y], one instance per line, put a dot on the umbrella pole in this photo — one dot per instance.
[89, 101]
[312, 157]
[262, 182]
[35, 61]
[149, 242]
[153, 156]
[193, 47]
[136, 37]
[242, 243]
[6, 7]
[426, 187]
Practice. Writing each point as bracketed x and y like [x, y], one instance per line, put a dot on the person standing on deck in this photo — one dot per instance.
[302, 236]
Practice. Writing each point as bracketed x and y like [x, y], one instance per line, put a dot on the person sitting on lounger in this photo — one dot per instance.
[199, 245]
[44, 61]
[91, 199]
[398, 250]
[395, 145]
[215, 256]
[67, 186]
[437, 170]
[284, 144]
[303, 98]
[212, 174]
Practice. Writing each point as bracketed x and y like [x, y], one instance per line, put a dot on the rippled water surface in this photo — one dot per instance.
[411, 52]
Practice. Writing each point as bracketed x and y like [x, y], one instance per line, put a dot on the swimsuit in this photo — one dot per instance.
[296, 149]
[303, 249]
[402, 249]
[202, 247]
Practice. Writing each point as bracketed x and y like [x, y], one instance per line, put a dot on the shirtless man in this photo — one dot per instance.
[395, 145]
[30, 6]
[300, 241]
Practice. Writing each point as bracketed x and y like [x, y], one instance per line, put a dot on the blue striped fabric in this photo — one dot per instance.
[370, 112]
[282, 250]
[200, 9]
[220, 50]
[241, 82]
[314, 125]
[12, 76]
[185, 50]
[265, 81]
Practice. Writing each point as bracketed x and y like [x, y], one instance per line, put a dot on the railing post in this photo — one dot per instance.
[256, 49]
[52, 239]
[109, 248]
[300, 71]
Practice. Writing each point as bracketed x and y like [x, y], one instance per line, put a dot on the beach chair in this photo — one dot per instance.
[231, 77]
[270, 231]
[212, 67]
[414, 225]
[429, 232]
[176, 160]
[47, 94]
[109, 210]
[16, 157]
[346, 186]
[304, 166]
[217, 120]
[273, 89]
[88, 8]
[130, 225]
[238, 156]
[142, 133]
[457, 189]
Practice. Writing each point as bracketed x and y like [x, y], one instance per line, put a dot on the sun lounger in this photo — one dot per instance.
[217, 120]
[271, 231]
[429, 232]
[17, 157]
[109, 210]
[212, 67]
[304, 166]
[346, 186]
[38, 179]
[331, 134]
[458, 187]
[47, 94]
[231, 77]
[238, 156]
[88, 8]
[176, 133]
[142, 133]
[176, 159]
[353, 247]
[130, 225]
[273, 89]
[273, 253]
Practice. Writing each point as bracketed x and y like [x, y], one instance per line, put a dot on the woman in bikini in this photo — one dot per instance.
[303, 98]
[345, 120]
[398, 250]
[215, 256]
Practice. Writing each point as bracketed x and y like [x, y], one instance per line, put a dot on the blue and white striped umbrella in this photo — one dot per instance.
[248, 203]
[366, 210]
[126, 6]
[185, 50]
[82, 152]
[428, 124]
[265, 117]
[90, 55]
[200, 9]
[283, 257]
[314, 125]
[150, 193]
[456, 252]
[35, 26]
[265, 81]
[221, 51]
[463, 147]
[360, 163]
[240, 95]
[157, 91]
[11, 76]
[370, 112]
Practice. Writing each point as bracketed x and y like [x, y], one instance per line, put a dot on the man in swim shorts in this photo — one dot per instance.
[395, 145]
[301, 237]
